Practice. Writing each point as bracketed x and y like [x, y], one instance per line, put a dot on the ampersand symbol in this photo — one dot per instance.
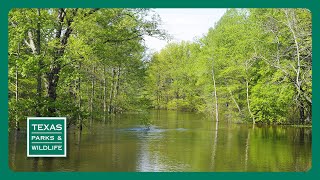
[59, 138]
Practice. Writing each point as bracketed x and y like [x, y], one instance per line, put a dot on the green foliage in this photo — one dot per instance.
[90, 63]
[95, 62]
[253, 54]
[171, 78]
[271, 102]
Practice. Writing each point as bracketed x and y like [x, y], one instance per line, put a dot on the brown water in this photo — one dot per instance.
[175, 141]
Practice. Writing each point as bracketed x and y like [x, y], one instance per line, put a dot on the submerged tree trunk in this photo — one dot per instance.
[35, 164]
[247, 150]
[14, 153]
[214, 149]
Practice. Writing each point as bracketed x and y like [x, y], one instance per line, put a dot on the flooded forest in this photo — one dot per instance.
[238, 98]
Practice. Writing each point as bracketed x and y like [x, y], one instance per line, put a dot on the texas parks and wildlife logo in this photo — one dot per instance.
[46, 137]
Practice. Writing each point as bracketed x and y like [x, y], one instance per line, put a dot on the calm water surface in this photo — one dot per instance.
[176, 141]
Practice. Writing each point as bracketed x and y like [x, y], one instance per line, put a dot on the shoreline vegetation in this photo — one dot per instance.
[253, 66]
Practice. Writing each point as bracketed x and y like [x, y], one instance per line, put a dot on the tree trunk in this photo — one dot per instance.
[34, 44]
[215, 93]
[61, 35]
[158, 92]
[110, 110]
[116, 88]
[17, 125]
[118, 82]
[247, 93]
[79, 94]
[39, 75]
[53, 78]
[248, 102]
[234, 100]
[310, 113]
[104, 93]
[298, 78]
[301, 110]
[92, 95]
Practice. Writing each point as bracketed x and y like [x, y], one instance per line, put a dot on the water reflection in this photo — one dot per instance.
[215, 141]
[174, 141]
